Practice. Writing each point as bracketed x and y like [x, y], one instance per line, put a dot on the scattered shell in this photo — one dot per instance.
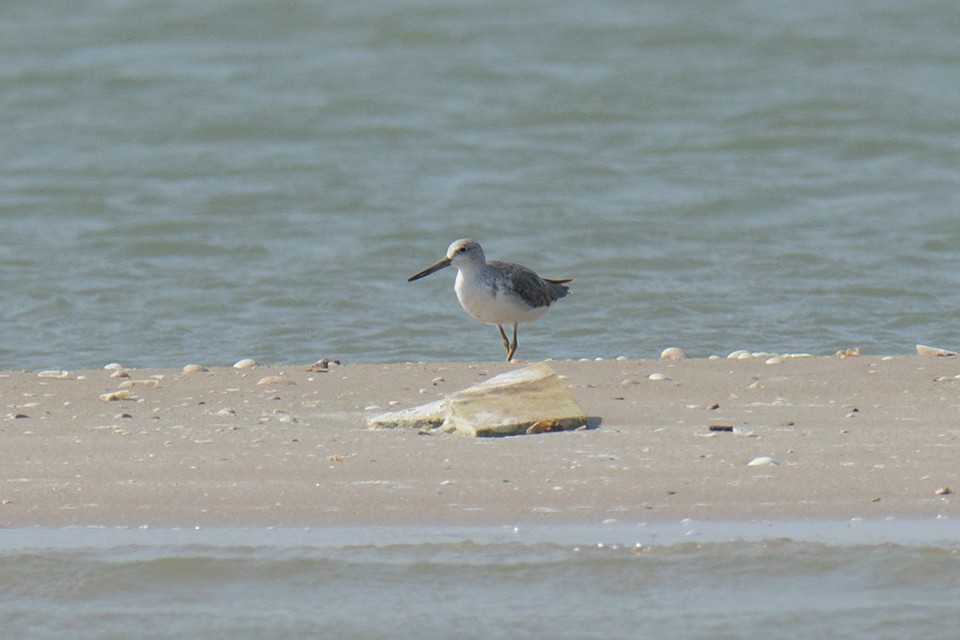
[672, 353]
[656, 377]
[848, 353]
[272, 380]
[544, 426]
[335, 458]
[740, 354]
[60, 375]
[122, 416]
[761, 461]
[246, 363]
[194, 368]
[774, 360]
[119, 373]
[627, 382]
[924, 350]
[113, 366]
[943, 491]
[226, 411]
[437, 380]
[798, 355]
[122, 394]
[127, 384]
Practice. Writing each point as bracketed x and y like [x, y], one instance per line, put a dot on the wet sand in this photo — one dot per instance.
[855, 437]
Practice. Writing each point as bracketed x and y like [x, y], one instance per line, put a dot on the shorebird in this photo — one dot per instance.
[497, 292]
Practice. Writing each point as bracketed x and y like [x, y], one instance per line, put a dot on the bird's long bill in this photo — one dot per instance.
[440, 265]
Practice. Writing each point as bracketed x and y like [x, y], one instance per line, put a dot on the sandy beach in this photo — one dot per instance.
[850, 437]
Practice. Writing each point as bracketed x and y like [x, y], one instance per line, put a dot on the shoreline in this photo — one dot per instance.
[854, 437]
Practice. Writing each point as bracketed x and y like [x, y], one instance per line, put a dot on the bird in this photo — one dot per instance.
[497, 292]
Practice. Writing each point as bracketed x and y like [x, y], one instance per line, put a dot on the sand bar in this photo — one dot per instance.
[855, 437]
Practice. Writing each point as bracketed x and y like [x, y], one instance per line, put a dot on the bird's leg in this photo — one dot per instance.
[512, 349]
[506, 343]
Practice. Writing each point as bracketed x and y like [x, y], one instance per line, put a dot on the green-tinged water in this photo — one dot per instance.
[803, 580]
[199, 182]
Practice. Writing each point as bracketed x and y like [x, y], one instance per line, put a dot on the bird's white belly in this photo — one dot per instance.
[478, 299]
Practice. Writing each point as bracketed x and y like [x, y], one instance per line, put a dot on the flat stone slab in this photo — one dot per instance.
[529, 400]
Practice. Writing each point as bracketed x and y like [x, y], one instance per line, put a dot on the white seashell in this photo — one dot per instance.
[127, 384]
[924, 350]
[59, 375]
[113, 366]
[672, 353]
[774, 360]
[246, 363]
[194, 368]
[119, 373]
[122, 394]
[656, 377]
[761, 461]
[740, 354]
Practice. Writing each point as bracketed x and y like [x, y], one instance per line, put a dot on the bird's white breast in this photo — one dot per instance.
[493, 305]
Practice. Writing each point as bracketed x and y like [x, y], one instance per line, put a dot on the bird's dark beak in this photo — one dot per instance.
[440, 265]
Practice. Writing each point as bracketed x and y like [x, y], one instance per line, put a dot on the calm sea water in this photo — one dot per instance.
[189, 181]
[867, 580]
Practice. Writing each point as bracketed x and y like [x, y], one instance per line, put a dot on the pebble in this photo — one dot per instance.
[673, 353]
[246, 363]
[761, 461]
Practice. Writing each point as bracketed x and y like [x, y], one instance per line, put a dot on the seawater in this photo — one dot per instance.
[199, 182]
[803, 580]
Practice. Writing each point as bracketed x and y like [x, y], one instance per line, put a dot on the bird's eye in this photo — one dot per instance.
[463, 249]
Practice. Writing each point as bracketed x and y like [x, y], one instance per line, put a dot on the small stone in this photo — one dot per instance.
[246, 363]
